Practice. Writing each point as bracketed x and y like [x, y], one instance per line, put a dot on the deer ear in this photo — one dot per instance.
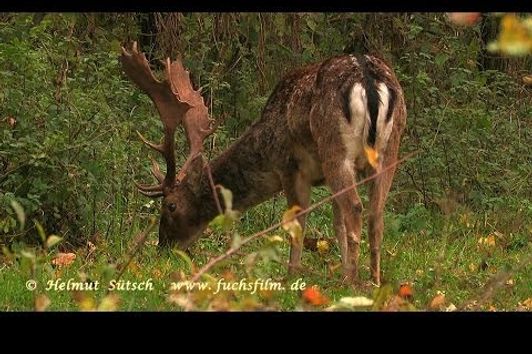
[195, 171]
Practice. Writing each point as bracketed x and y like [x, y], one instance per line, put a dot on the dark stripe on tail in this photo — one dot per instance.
[391, 104]
[346, 101]
[372, 95]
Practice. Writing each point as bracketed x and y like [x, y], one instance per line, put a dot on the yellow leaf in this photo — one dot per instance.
[514, 38]
[323, 246]
[109, 303]
[53, 240]
[527, 80]
[84, 301]
[227, 196]
[292, 226]
[372, 156]
[276, 239]
[487, 241]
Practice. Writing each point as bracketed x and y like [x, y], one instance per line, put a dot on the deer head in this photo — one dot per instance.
[177, 103]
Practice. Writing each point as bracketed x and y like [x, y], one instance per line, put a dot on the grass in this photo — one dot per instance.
[430, 251]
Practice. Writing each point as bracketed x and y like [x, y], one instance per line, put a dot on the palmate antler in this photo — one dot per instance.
[177, 102]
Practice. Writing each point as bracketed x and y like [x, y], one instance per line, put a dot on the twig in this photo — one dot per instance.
[213, 188]
[235, 248]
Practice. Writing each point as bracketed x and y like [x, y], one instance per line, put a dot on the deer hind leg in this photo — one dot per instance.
[378, 191]
[347, 209]
[297, 190]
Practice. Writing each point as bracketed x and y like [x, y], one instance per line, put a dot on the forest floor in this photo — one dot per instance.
[461, 261]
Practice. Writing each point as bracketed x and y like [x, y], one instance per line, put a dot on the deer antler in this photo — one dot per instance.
[177, 102]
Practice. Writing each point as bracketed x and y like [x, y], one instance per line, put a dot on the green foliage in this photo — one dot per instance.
[61, 156]
[69, 153]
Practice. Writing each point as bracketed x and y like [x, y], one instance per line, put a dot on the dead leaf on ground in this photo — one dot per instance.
[394, 304]
[525, 305]
[42, 302]
[464, 18]
[109, 302]
[437, 302]
[405, 290]
[314, 297]
[63, 259]
[323, 246]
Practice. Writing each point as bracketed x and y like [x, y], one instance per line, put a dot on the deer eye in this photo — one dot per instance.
[171, 207]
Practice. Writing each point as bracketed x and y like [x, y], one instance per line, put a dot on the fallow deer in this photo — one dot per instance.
[314, 129]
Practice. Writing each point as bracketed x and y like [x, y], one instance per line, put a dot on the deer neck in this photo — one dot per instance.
[250, 179]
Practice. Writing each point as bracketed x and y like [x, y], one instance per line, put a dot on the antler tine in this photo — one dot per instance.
[156, 147]
[150, 191]
[149, 188]
[156, 170]
[151, 194]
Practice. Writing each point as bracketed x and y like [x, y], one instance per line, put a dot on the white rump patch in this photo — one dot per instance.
[355, 132]
[384, 129]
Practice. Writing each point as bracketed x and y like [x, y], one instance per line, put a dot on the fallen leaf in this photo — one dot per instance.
[64, 259]
[357, 301]
[394, 304]
[463, 18]
[450, 308]
[472, 267]
[438, 301]
[528, 303]
[527, 80]
[157, 274]
[276, 239]
[109, 303]
[323, 246]
[314, 297]
[405, 291]
[488, 241]
[181, 300]
[84, 301]
[42, 302]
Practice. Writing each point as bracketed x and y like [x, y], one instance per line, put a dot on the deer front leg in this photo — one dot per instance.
[348, 209]
[297, 191]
